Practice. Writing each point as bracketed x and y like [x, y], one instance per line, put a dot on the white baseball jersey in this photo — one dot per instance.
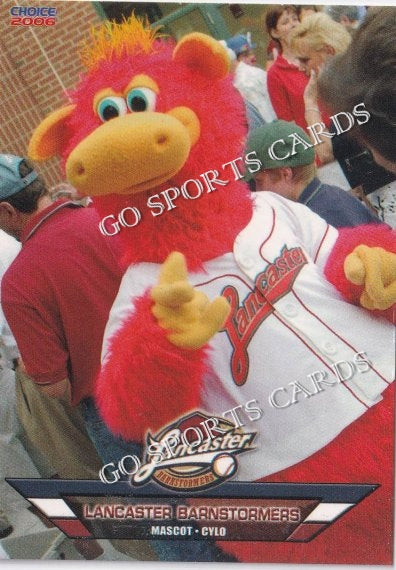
[312, 361]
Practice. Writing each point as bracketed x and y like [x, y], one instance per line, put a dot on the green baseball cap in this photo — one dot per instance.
[279, 144]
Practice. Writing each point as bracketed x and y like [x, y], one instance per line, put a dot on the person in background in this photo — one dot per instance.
[317, 39]
[15, 459]
[367, 68]
[373, 84]
[35, 319]
[286, 81]
[56, 297]
[8, 250]
[250, 80]
[294, 177]
[348, 16]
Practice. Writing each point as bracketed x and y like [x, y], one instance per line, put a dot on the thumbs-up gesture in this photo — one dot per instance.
[187, 314]
[375, 269]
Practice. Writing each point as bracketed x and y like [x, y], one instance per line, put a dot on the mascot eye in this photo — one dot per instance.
[111, 107]
[141, 99]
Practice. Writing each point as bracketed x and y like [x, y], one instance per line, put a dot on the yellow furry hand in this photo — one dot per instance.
[374, 268]
[187, 314]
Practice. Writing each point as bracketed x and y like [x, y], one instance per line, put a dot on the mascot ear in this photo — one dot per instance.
[203, 53]
[48, 138]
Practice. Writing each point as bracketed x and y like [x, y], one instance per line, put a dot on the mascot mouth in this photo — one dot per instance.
[147, 184]
[130, 154]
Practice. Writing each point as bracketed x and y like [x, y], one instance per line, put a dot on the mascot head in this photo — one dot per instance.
[147, 116]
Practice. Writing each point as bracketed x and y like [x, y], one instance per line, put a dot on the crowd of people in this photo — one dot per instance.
[304, 43]
[58, 319]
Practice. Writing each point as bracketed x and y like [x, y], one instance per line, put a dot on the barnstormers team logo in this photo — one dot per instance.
[245, 318]
[196, 452]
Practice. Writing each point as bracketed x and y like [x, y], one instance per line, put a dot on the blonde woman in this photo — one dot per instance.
[317, 39]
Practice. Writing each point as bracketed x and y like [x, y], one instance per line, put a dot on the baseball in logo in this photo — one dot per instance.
[196, 452]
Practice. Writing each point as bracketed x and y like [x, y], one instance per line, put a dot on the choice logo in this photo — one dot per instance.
[33, 16]
[196, 452]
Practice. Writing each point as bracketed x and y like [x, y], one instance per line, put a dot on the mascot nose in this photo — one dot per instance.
[129, 154]
[161, 139]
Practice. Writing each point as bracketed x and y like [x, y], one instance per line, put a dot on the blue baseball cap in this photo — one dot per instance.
[10, 180]
[239, 44]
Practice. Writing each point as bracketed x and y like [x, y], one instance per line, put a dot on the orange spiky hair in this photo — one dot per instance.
[131, 37]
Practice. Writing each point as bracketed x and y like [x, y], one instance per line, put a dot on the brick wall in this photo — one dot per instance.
[37, 63]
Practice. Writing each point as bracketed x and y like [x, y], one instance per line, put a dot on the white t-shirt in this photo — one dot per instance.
[9, 249]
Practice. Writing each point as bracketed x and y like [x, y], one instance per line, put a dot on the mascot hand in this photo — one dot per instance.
[188, 316]
[375, 269]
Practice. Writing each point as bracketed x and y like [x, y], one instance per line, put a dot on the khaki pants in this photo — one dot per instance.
[57, 431]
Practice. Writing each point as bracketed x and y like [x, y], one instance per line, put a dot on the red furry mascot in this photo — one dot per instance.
[264, 302]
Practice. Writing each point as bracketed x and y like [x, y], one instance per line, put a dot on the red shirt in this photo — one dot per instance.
[286, 84]
[57, 295]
